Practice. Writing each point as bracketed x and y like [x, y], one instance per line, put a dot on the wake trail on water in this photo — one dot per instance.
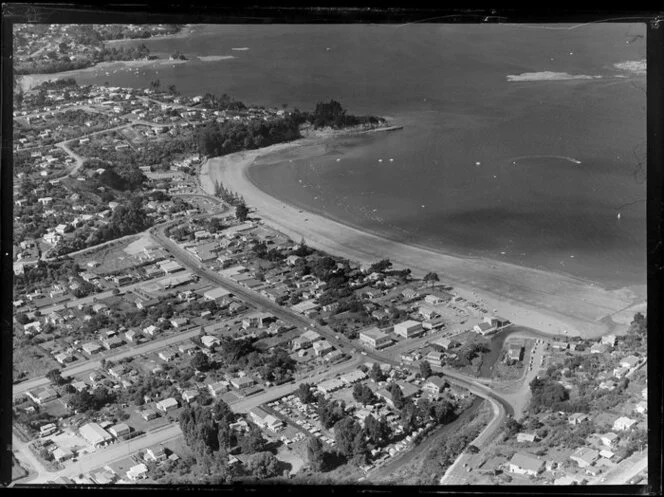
[561, 157]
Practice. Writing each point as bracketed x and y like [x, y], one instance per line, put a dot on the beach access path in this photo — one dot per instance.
[538, 299]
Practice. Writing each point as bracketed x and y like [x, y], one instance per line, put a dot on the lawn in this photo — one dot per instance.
[33, 360]
[18, 471]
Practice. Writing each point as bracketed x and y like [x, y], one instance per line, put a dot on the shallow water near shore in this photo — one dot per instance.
[533, 173]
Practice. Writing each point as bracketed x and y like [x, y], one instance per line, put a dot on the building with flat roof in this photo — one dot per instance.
[409, 328]
[375, 338]
[216, 294]
[95, 434]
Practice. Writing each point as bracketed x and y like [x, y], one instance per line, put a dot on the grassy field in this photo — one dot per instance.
[18, 471]
[34, 361]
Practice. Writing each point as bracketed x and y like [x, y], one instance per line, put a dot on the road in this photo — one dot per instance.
[22, 452]
[625, 471]
[111, 453]
[94, 364]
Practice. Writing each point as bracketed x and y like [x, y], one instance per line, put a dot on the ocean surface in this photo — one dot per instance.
[547, 174]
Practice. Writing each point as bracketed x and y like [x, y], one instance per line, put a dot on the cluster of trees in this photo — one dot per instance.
[330, 411]
[470, 351]
[332, 114]
[363, 394]
[44, 274]
[223, 103]
[547, 394]
[122, 176]
[275, 366]
[127, 219]
[305, 393]
[232, 136]
[639, 324]
[85, 401]
[261, 251]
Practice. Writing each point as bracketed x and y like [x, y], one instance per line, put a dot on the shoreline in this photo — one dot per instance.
[29, 81]
[542, 300]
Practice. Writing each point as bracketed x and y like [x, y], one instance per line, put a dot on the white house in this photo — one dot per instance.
[623, 423]
[525, 464]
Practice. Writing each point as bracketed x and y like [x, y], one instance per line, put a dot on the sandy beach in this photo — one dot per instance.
[542, 300]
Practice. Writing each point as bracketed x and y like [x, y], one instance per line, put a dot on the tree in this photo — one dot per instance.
[241, 212]
[363, 394]
[376, 373]
[55, 377]
[263, 465]
[377, 430]
[253, 441]
[345, 431]
[305, 394]
[200, 362]
[397, 395]
[315, 454]
[425, 369]
[431, 278]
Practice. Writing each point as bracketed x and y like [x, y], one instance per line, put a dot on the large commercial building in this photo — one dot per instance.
[375, 338]
[95, 434]
[409, 328]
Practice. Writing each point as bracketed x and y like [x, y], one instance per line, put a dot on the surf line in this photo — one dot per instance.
[561, 157]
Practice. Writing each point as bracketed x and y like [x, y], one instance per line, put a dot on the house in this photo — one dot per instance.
[155, 453]
[210, 341]
[428, 311]
[434, 385]
[434, 299]
[641, 407]
[62, 454]
[623, 423]
[120, 430]
[170, 267]
[514, 352]
[273, 424]
[43, 395]
[137, 472]
[577, 418]
[374, 338]
[149, 414]
[599, 348]
[525, 464]
[151, 330]
[291, 260]
[620, 372]
[435, 358]
[117, 370]
[91, 348]
[306, 307]
[609, 340]
[484, 328]
[243, 382]
[322, 347]
[630, 362]
[407, 390]
[218, 388]
[525, 437]
[330, 385]
[409, 328]
[410, 294]
[585, 456]
[353, 377]
[190, 395]
[112, 342]
[607, 385]
[187, 348]
[179, 322]
[132, 335]
[216, 294]
[442, 343]
[167, 355]
[167, 405]
[258, 415]
[497, 322]
[79, 386]
[95, 434]
[609, 439]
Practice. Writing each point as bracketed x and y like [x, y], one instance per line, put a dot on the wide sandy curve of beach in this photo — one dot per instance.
[538, 299]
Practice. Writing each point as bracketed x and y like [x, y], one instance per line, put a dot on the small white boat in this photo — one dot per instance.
[338, 160]
[391, 160]
[478, 163]
[380, 160]
[619, 215]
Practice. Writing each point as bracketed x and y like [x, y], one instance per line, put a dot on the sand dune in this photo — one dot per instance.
[545, 301]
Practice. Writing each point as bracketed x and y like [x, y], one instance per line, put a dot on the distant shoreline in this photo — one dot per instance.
[542, 300]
